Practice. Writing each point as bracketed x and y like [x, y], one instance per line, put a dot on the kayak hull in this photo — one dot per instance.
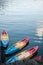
[4, 39]
[17, 46]
[38, 58]
[11, 50]
[23, 55]
[4, 43]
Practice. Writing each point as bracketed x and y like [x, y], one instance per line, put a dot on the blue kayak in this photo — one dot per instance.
[17, 46]
[23, 55]
[4, 39]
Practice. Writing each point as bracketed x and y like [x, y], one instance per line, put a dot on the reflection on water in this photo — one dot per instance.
[39, 29]
[39, 32]
[23, 18]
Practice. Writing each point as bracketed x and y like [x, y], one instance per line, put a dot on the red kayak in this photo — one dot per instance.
[4, 38]
[38, 58]
[17, 46]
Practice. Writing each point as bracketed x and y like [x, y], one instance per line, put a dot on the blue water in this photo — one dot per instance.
[23, 19]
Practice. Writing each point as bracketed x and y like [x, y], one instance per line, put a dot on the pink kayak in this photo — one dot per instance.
[17, 46]
[4, 39]
[38, 58]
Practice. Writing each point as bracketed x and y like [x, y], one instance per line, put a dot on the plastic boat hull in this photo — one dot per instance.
[17, 46]
[4, 39]
[23, 55]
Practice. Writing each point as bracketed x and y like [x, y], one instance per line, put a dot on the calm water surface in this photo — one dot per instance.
[23, 19]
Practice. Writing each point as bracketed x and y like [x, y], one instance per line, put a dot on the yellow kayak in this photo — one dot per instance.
[4, 39]
[17, 46]
[23, 55]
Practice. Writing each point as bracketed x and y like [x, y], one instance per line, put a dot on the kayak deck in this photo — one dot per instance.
[4, 38]
[17, 46]
[23, 55]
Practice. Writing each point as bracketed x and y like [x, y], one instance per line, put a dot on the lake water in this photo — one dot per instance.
[23, 18]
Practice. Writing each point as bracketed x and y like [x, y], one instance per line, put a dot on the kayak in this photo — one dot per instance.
[23, 55]
[17, 46]
[4, 39]
[38, 58]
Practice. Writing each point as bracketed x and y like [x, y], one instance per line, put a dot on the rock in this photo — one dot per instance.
[26, 62]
